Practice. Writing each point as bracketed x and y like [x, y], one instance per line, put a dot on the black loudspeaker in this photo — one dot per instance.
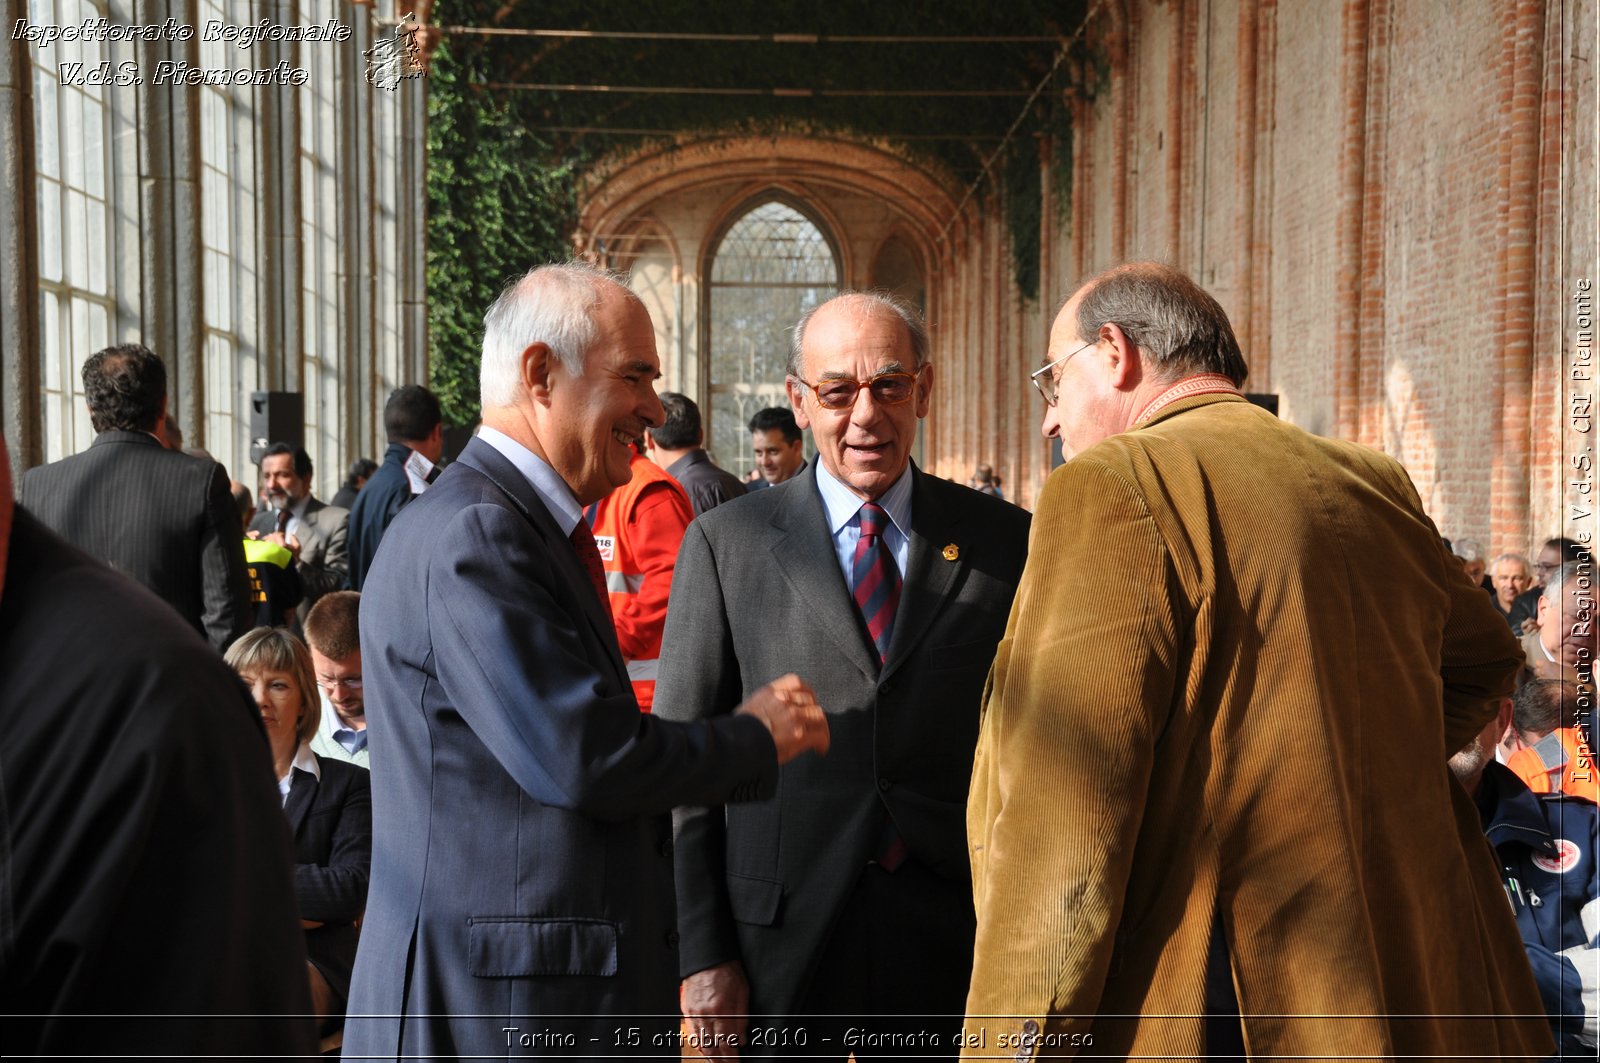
[276, 417]
[1266, 400]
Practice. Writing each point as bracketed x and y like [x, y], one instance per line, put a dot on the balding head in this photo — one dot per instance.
[862, 305]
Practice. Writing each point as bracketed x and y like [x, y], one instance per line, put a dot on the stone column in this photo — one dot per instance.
[19, 261]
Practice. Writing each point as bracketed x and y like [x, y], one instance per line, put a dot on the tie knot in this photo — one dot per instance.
[873, 519]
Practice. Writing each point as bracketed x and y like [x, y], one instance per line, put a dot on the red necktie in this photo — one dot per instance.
[876, 579]
[589, 554]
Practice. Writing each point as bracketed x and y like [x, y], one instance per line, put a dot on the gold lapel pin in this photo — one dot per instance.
[952, 552]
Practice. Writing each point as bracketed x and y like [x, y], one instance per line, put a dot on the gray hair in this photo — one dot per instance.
[1468, 549]
[870, 303]
[1527, 567]
[1569, 571]
[552, 304]
[1174, 322]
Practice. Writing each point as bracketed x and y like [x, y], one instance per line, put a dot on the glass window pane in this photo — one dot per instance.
[50, 231]
[95, 247]
[50, 338]
[772, 266]
[77, 238]
[47, 123]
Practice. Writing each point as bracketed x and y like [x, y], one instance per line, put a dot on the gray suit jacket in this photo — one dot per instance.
[324, 563]
[162, 517]
[758, 592]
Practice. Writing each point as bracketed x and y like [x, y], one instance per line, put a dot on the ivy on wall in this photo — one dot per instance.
[504, 163]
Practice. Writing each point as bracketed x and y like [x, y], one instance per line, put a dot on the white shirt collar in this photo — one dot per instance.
[551, 489]
[842, 504]
[305, 760]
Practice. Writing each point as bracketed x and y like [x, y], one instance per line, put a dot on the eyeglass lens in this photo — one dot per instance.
[891, 390]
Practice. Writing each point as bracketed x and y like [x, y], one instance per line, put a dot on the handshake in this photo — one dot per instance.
[788, 707]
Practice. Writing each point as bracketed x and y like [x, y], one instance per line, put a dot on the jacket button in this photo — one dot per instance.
[672, 939]
[885, 785]
[884, 688]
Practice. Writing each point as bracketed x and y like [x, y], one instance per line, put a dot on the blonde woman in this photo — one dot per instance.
[329, 807]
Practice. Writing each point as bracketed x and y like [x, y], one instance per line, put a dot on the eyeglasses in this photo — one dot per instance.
[1046, 383]
[349, 682]
[888, 389]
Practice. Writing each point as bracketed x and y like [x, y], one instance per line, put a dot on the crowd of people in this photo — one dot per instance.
[585, 746]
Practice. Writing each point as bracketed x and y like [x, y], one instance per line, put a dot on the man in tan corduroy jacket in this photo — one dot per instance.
[1216, 805]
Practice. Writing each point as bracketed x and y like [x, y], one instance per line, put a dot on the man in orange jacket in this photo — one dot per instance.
[638, 528]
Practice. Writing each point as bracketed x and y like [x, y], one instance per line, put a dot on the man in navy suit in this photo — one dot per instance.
[522, 893]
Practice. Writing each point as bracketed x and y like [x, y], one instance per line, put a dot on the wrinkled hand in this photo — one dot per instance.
[714, 1003]
[1529, 625]
[788, 706]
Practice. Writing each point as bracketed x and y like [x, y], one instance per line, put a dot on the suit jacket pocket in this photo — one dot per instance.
[754, 900]
[525, 947]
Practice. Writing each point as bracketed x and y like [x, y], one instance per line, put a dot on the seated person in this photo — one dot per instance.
[1546, 849]
[329, 807]
[1548, 748]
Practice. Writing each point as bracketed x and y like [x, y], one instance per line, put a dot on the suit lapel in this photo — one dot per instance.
[302, 794]
[311, 541]
[508, 478]
[805, 554]
[929, 575]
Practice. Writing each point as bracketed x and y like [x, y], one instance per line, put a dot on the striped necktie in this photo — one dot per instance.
[589, 554]
[875, 578]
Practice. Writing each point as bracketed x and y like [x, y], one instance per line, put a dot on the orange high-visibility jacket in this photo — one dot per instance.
[1562, 762]
[638, 529]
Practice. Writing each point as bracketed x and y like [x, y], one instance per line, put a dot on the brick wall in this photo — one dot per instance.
[1392, 198]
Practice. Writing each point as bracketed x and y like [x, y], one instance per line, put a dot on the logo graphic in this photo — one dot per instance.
[392, 60]
[1565, 860]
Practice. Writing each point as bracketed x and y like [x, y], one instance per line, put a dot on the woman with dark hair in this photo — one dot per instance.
[329, 807]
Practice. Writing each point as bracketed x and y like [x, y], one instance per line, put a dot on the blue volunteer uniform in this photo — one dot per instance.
[1546, 845]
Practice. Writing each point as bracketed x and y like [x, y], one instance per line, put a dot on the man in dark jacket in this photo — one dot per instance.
[1546, 849]
[676, 447]
[416, 436]
[158, 515]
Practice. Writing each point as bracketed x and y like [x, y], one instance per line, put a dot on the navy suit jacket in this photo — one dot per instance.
[522, 858]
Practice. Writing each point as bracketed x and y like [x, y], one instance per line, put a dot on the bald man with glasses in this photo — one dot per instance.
[848, 895]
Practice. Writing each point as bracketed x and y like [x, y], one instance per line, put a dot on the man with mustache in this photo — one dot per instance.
[313, 531]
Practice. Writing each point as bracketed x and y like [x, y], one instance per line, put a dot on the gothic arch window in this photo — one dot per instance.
[72, 134]
[773, 263]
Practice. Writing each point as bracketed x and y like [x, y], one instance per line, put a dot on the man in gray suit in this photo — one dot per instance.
[315, 532]
[848, 895]
[158, 515]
